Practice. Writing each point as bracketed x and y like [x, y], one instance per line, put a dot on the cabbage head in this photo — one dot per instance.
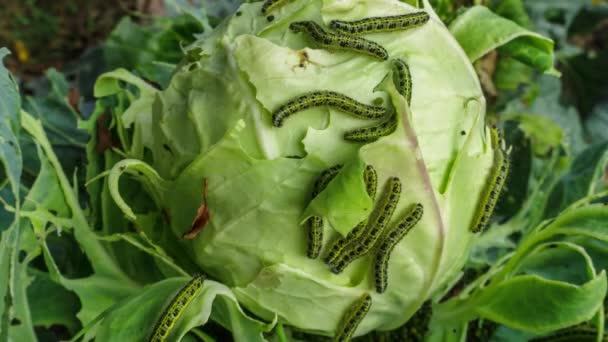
[212, 125]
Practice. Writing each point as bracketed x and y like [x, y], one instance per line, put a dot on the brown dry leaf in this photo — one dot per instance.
[485, 67]
[74, 98]
[104, 136]
[203, 216]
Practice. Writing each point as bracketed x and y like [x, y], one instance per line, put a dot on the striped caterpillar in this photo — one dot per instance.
[374, 228]
[388, 243]
[353, 317]
[324, 179]
[402, 78]
[380, 24]
[373, 132]
[331, 40]
[315, 223]
[496, 181]
[370, 178]
[330, 99]
[269, 5]
[403, 82]
[176, 308]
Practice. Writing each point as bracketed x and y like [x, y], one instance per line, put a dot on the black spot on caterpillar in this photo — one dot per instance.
[388, 243]
[352, 318]
[270, 18]
[269, 5]
[373, 132]
[176, 308]
[330, 99]
[496, 181]
[380, 24]
[331, 40]
[402, 78]
[374, 228]
[370, 177]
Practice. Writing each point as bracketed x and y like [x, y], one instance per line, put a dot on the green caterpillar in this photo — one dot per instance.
[315, 223]
[353, 317]
[402, 78]
[388, 243]
[330, 99]
[269, 5]
[380, 24]
[370, 177]
[496, 181]
[331, 40]
[373, 230]
[403, 82]
[324, 179]
[176, 308]
[315, 236]
[373, 132]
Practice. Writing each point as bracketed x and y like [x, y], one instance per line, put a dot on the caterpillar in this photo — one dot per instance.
[324, 179]
[315, 223]
[269, 5]
[176, 308]
[370, 177]
[331, 40]
[353, 317]
[315, 236]
[374, 228]
[330, 99]
[402, 78]
[380, 24]
[374, 132]
[388, 243]
[496, 181]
